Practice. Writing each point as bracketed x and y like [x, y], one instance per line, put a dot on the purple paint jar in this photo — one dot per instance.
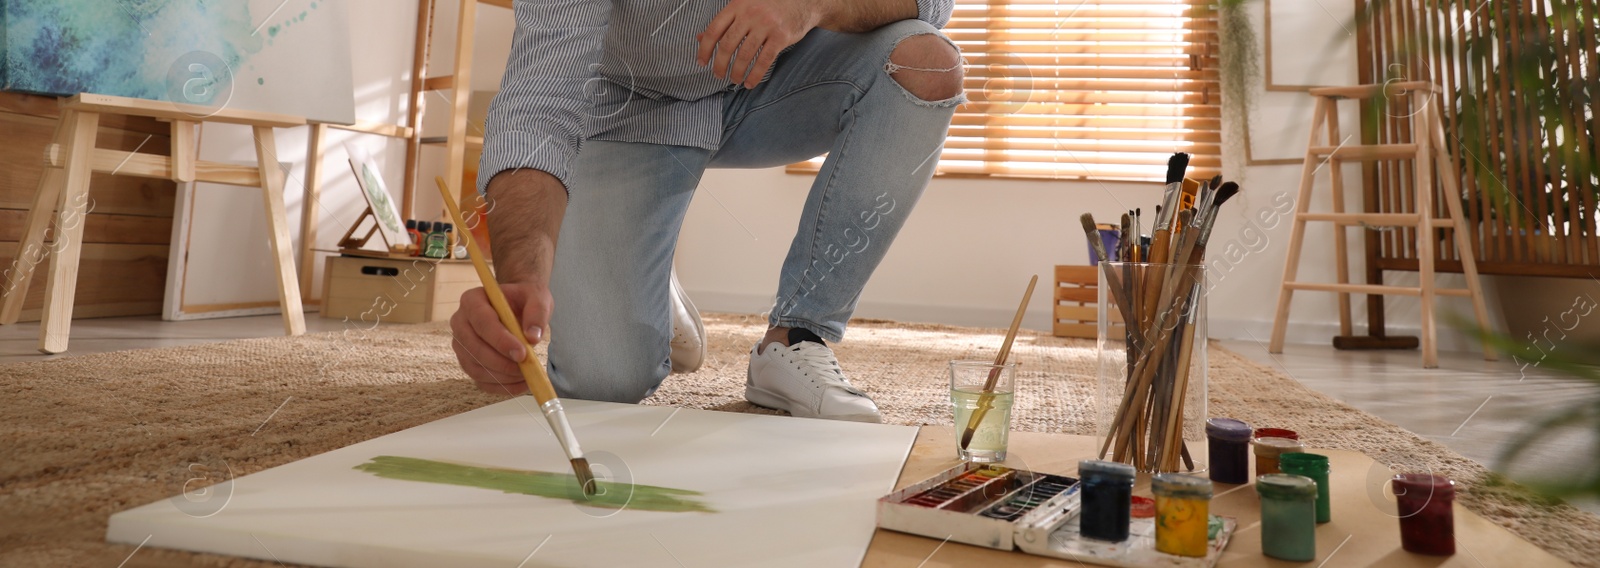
[1427, 517]
[1228, 441]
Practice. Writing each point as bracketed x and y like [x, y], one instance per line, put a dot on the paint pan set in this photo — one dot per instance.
[1003, 508]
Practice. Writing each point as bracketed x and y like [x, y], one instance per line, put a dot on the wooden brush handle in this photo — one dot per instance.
[986, 399]
[1159, 254]
[532, 370]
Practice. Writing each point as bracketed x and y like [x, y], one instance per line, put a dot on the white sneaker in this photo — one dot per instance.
[688, 332]
[805, 379]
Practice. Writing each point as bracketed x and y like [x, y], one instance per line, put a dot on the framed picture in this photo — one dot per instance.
[390, 226]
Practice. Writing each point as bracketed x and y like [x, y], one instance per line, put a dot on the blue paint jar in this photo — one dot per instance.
[1288, 516]
[1107, 496]
[1228, 441]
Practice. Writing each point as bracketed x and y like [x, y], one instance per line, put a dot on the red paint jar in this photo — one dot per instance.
[1277, 433]
[1427, 517]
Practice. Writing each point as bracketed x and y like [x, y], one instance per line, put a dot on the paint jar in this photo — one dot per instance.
[423, 229]
[1183, 514]
[1314, 466]
[437, 242]
[1288, 516]
[1229, 444]
[1107, 499]
[1277, 433]
[1427, 518]
[969, 399]
[1267, 451]
[411, 233]
[1151, 395]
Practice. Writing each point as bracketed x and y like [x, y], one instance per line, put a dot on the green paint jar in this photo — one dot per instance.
[1314, 466]
[1288, 516]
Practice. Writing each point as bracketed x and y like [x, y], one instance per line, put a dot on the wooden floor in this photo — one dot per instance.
[1470, 405]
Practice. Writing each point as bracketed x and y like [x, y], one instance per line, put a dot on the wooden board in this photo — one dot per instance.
[113, 280]
[97, 228]
[788, 491]
[1076, 312]
[126, 230]
[1363, 532]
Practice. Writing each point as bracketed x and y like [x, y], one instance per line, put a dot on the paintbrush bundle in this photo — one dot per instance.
[1156, 292]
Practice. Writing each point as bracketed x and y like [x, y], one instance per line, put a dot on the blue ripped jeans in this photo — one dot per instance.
[611, 327]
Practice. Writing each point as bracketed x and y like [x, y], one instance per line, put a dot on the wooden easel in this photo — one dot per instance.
[63, 191]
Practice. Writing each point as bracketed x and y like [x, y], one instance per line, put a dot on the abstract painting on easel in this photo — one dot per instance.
[253, 55]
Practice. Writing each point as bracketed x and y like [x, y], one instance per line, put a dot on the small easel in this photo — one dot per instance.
[351, 244]
[350, 241]
[63, 191]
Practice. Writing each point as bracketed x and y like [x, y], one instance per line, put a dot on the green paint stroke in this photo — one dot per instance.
[540, 483]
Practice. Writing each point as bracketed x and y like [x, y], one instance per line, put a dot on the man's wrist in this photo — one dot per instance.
[525, 211]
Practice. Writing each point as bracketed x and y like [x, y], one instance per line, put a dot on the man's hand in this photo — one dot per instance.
[525, 211]
[745, 38]
[485, 349]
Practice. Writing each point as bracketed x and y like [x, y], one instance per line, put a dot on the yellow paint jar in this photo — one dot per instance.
[1183, 514]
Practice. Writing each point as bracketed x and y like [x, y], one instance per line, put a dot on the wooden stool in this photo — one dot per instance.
[64, 189]
[1428, 145]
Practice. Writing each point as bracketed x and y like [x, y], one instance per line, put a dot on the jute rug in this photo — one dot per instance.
[88, 436]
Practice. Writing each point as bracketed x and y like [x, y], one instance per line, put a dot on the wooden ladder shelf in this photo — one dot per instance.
[1327, 148]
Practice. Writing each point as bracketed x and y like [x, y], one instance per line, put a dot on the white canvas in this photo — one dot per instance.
[787, 491]
[1313, 43]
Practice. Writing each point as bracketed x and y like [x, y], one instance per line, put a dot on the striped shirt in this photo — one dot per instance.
[620, 71]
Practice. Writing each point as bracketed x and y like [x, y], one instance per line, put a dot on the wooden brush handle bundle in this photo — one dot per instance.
[1156, 293]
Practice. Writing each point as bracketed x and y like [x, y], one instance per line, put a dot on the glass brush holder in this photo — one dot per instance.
[1151, 400]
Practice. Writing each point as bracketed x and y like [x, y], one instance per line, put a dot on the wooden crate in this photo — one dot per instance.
[1077, 310]
[393, 290]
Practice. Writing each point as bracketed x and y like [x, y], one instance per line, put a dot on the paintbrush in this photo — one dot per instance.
[1112, 280]
[986, 399]
[532, 370]
[1160, 243]
[1192, 253]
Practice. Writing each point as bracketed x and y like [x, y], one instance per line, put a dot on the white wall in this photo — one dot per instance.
[229, 251]
[381, 41]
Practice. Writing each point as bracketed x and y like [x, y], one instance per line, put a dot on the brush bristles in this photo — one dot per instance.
[1176, 166]
[580, 468]
[1227, 191]
[1088, 224]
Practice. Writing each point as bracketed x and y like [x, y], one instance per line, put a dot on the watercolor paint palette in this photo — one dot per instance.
[976, 504]
[1010, 509]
